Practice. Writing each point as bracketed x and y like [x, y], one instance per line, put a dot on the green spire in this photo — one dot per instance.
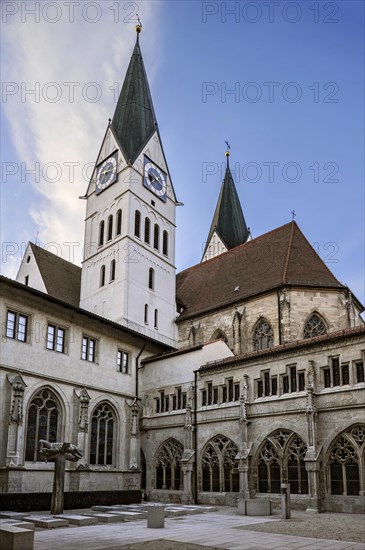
[228, 220]
[134, 119]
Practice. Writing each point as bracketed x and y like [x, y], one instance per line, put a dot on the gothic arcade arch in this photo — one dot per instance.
[103, 430]
[280, 459]
[167, 465]
[218, 466]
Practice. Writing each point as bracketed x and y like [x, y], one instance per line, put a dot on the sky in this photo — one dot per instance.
[282, 82]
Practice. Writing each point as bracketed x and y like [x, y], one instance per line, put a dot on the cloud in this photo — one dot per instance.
[65, 76]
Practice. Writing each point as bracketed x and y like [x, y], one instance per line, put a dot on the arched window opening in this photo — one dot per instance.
[101, 233]
[345, 461]
[165, 243]
[102, 275]
[137, 224]
[168, 466]
[263, 336]
[314, 326]
[219, 467]
[156, 319]
[146, 314]
[112, 270]
[102, 435]
[281, 459]
[110, 228]
[43, 422]
[118, 229]
[151, 278]
[156, 237]
[147, 230]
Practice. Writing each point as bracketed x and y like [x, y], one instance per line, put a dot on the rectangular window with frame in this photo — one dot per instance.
[345, 372]
[301, 381]
[224, 394]
[267, 383]
[56, 338]
[260, 388]
[274, 385]
[286, 384]
[327, 378]
[209, 393]
[16, 326]
[360, 372]
[230, 390]
[88, 349]
[174, 403]
[336, 371]
[157, 405]
[293, 379]
[184, 400]
[236, 392]
[204, 398]
[179, 398]
[167, 403]
[215, 396]
[162, 399]
[122, 361]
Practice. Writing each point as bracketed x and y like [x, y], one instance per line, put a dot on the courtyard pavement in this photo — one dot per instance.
[213, 529]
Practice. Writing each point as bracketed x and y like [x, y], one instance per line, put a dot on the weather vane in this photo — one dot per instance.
[228, 145]
[138, 26]
[293, 214]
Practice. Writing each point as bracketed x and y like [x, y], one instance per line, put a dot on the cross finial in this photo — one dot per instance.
[138, 27]
[227, 152]
[293, 214]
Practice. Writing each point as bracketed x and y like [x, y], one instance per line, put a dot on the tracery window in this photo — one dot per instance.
[102, 435]
[168, 466]
[219, 467]
[345, 461]
[281, 460]
[263, 336]
[43, 422]
[314, 326]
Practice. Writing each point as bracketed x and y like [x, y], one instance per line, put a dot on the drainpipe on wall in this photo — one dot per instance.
[137, 363]
[195, 441]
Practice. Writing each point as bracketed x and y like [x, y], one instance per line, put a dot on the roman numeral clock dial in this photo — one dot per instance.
[106, 173]
[155, 179]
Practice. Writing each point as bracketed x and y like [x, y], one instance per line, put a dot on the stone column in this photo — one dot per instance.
[134, 436]
[15, 425]
[188, 457]
[313, 452]
[284, 320]
[244, 450]
[83, 423]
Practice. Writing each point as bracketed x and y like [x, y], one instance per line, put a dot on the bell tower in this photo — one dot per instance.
[128, 271]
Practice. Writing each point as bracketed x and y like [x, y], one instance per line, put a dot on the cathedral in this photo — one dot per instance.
[214, 385]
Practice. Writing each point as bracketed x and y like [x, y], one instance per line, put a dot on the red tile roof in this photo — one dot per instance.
[279, 257]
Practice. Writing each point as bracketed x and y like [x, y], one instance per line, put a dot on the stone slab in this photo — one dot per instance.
[130, 516]
[47, 522]
[258, 507]
[78, 520]
[14, 515]
[105, 518]
[16, 538]
[156, 517]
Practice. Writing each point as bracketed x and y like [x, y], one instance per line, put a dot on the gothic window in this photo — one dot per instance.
[165, 243]
[219, 468]
[118, 229]
[156, 237]
[281, 459]
[151, 278]
[101, 233]
[43, 422]
[345, 462]
[112, 270]
[102, 275]
[168, 466]
[314, 326]
[110, 228]
[147, 230]
[263, 336]
[102, 435]
[137, 224]
[146, 314]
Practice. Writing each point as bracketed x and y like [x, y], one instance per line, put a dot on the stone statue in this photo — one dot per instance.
[58, 453]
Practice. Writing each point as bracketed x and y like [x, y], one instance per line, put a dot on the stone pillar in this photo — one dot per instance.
[244, 450]
[83, 424]
[15, 425]
[188, 457]
[284, 320]
[313, 452]
[134, 436]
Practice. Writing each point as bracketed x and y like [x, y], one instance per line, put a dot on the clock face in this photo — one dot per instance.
[106, 173]
[155, 179]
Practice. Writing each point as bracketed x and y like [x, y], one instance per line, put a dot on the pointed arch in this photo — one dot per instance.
[345, 462]
[102, 435]
[263, 335]
[314, 326]
[218, 465]
[219, 334]
[167, 462]
[43, 421]
[280, 459]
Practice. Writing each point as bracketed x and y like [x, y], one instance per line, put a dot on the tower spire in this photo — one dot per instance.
[134, 120]
[228, 228]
